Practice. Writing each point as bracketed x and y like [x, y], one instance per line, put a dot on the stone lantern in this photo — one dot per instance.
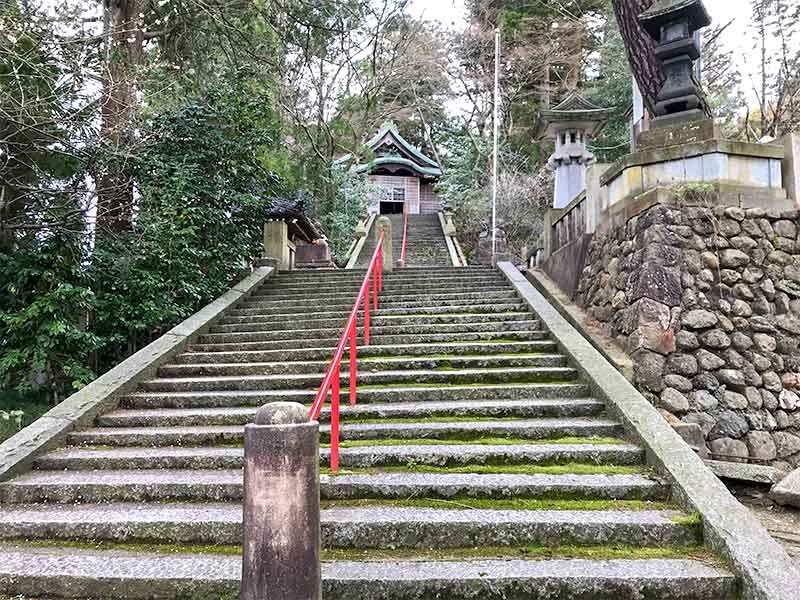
[571, 124]
[672, 24]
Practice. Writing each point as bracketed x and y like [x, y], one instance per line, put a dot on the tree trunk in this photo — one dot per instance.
[640, 48]
[124, 50]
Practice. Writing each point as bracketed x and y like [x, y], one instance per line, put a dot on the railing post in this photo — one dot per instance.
[353, 373]
[335, 384]
[366, 315]
[281, 534]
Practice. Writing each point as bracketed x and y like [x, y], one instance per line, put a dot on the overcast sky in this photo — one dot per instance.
[452, 13]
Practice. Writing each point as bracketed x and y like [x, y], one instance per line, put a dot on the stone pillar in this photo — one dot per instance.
[281, 534]
[384, 224]
[595, 204]
[790, 167]
[276, 244]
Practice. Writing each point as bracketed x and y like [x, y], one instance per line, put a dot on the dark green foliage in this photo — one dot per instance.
[204, 170]
[203, 185]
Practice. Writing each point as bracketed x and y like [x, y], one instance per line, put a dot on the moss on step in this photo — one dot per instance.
[572, 468]
[520, 379]
[695, 552]
[461, 440]
[452, 356]
[504, 504]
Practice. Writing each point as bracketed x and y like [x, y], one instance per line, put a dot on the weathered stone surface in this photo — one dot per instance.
[682, 364]
[785, 228]
[732, 258]
[687, 340]
[708, 361]
[649, 370]
[703, 401]
[788, 400]
[662, 284]
[786, 444]
[729, 449]
[761, 445]
[699, 319]
[734, 401]
[716, 339]
[731, 378]
[729, 424]
[679, 382]
[674, 401]
[787, 491]
[705, 421]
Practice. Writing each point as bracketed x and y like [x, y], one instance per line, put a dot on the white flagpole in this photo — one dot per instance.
[496, 140]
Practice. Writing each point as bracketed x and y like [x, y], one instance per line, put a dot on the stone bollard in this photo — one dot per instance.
[384, 224]
[281, 534]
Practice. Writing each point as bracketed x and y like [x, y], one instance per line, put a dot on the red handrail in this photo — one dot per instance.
[402, 261]
[333, 374]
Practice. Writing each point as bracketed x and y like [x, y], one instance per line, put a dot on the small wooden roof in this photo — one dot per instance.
[293, 212]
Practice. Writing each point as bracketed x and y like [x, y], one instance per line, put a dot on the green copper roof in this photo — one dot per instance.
[398, 160]
[417, 161]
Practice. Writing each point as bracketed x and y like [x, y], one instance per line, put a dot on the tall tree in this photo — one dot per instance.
[640, 49]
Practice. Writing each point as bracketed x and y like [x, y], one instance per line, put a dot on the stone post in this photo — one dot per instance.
[276, 243]
[281, 534]
[791, 166]
[384, 224]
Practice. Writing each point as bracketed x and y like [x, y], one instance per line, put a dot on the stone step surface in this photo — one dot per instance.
[302, 380]
[374, 350]
[167, 417]
[417, 393]
[208, 434]
[375, 365]
[365, 527]
[468, 418]
[362, 457]
[71, 573]
[208, 485]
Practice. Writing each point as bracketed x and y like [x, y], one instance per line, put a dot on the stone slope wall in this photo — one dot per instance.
[707, 302]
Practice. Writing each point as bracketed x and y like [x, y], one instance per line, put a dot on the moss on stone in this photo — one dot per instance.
[463, 439]
[696, 552]
[459, 503]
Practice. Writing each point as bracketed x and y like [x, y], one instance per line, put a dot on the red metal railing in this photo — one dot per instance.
[402, 261]
[373, 279]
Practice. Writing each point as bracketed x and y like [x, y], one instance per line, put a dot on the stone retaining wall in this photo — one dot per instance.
[707, 302]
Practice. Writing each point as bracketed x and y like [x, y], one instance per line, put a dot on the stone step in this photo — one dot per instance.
[389, 291]
[313, 380]
[181, 417]
[390, 286]
[412, 310]
[360, 457]
[385, 300]
[364, 366]
[375, 527]
[73, 573]
[388, 340]
[372, 351]
[518, 391]
[302, 321]
[130, 485]
[209, 435]
[259, 332]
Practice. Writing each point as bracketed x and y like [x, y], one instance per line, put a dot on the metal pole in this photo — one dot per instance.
[496, 140]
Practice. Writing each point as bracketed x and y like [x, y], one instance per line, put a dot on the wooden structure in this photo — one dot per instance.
[406, 174]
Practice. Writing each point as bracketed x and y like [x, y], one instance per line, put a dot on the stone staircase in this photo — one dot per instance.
[476, 464]
[425, 244]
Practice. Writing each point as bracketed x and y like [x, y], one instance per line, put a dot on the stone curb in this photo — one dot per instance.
[766, 571]
[19, 451]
